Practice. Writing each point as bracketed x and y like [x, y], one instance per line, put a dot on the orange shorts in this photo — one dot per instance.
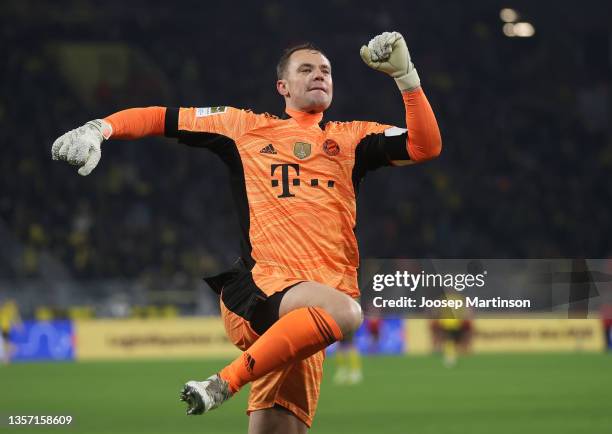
[296, 387]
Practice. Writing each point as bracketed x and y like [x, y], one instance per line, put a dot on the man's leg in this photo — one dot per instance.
[311, 317]
[292, 394]
[276, 420]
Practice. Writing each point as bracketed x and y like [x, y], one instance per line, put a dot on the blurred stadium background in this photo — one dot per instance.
[105, 271]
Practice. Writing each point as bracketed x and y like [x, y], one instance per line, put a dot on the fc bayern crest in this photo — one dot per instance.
[301, 150]
[331, 148]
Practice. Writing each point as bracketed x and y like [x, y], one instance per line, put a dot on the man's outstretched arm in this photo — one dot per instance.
[388, 53]
[82, 146]
[200, 127]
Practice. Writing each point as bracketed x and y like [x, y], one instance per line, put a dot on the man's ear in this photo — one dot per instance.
[281, 87]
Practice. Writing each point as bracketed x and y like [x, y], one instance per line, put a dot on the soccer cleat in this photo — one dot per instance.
[203, 396]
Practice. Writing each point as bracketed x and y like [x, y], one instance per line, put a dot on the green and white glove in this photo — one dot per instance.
[81, 146]
[388, 53]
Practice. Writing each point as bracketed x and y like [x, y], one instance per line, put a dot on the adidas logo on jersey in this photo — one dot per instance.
[268, 150]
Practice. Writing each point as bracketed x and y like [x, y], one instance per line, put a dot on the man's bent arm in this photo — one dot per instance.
[388, 53]
[423, 140]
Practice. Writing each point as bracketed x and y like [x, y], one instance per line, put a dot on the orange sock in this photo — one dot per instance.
[295, 336]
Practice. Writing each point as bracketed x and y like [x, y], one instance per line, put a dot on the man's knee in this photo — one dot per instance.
[346, 312]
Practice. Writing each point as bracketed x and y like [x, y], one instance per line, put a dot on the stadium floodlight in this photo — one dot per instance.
[524, 30]
[508, 30]
[508, 15]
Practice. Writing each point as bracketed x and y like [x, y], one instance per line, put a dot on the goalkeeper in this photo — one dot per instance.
[294, 181]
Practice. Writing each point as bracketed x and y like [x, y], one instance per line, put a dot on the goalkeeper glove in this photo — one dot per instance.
[81, 147]
[388, 53]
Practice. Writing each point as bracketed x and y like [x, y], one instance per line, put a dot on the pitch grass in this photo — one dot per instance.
[539, 394]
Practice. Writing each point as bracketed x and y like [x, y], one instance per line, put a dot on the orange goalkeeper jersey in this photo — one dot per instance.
[294, 182]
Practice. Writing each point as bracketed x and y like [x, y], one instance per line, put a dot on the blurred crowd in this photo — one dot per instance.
[524, 173]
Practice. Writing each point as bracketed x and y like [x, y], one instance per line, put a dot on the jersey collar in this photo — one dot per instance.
[305, 120]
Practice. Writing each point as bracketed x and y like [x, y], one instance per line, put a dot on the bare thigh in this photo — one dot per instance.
[345, 311]
[276, 420]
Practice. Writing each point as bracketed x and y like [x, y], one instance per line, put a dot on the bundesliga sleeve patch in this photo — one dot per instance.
[207, 111]
[395, 131]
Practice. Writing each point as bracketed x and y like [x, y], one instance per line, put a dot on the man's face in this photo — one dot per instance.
[307, 85]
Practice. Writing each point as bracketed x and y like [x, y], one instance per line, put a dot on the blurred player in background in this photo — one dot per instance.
[454, 339]
[348, 363]
[373, 325]
[349, 367]
[9, 317]
[452, 332]
[294, 182]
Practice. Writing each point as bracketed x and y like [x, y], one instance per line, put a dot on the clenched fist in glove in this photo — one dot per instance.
[81, 147]
[388, 53]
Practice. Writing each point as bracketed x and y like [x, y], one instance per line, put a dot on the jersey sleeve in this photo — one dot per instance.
[135, 123]
[378, 145]
[385, 145]
[207, 126]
